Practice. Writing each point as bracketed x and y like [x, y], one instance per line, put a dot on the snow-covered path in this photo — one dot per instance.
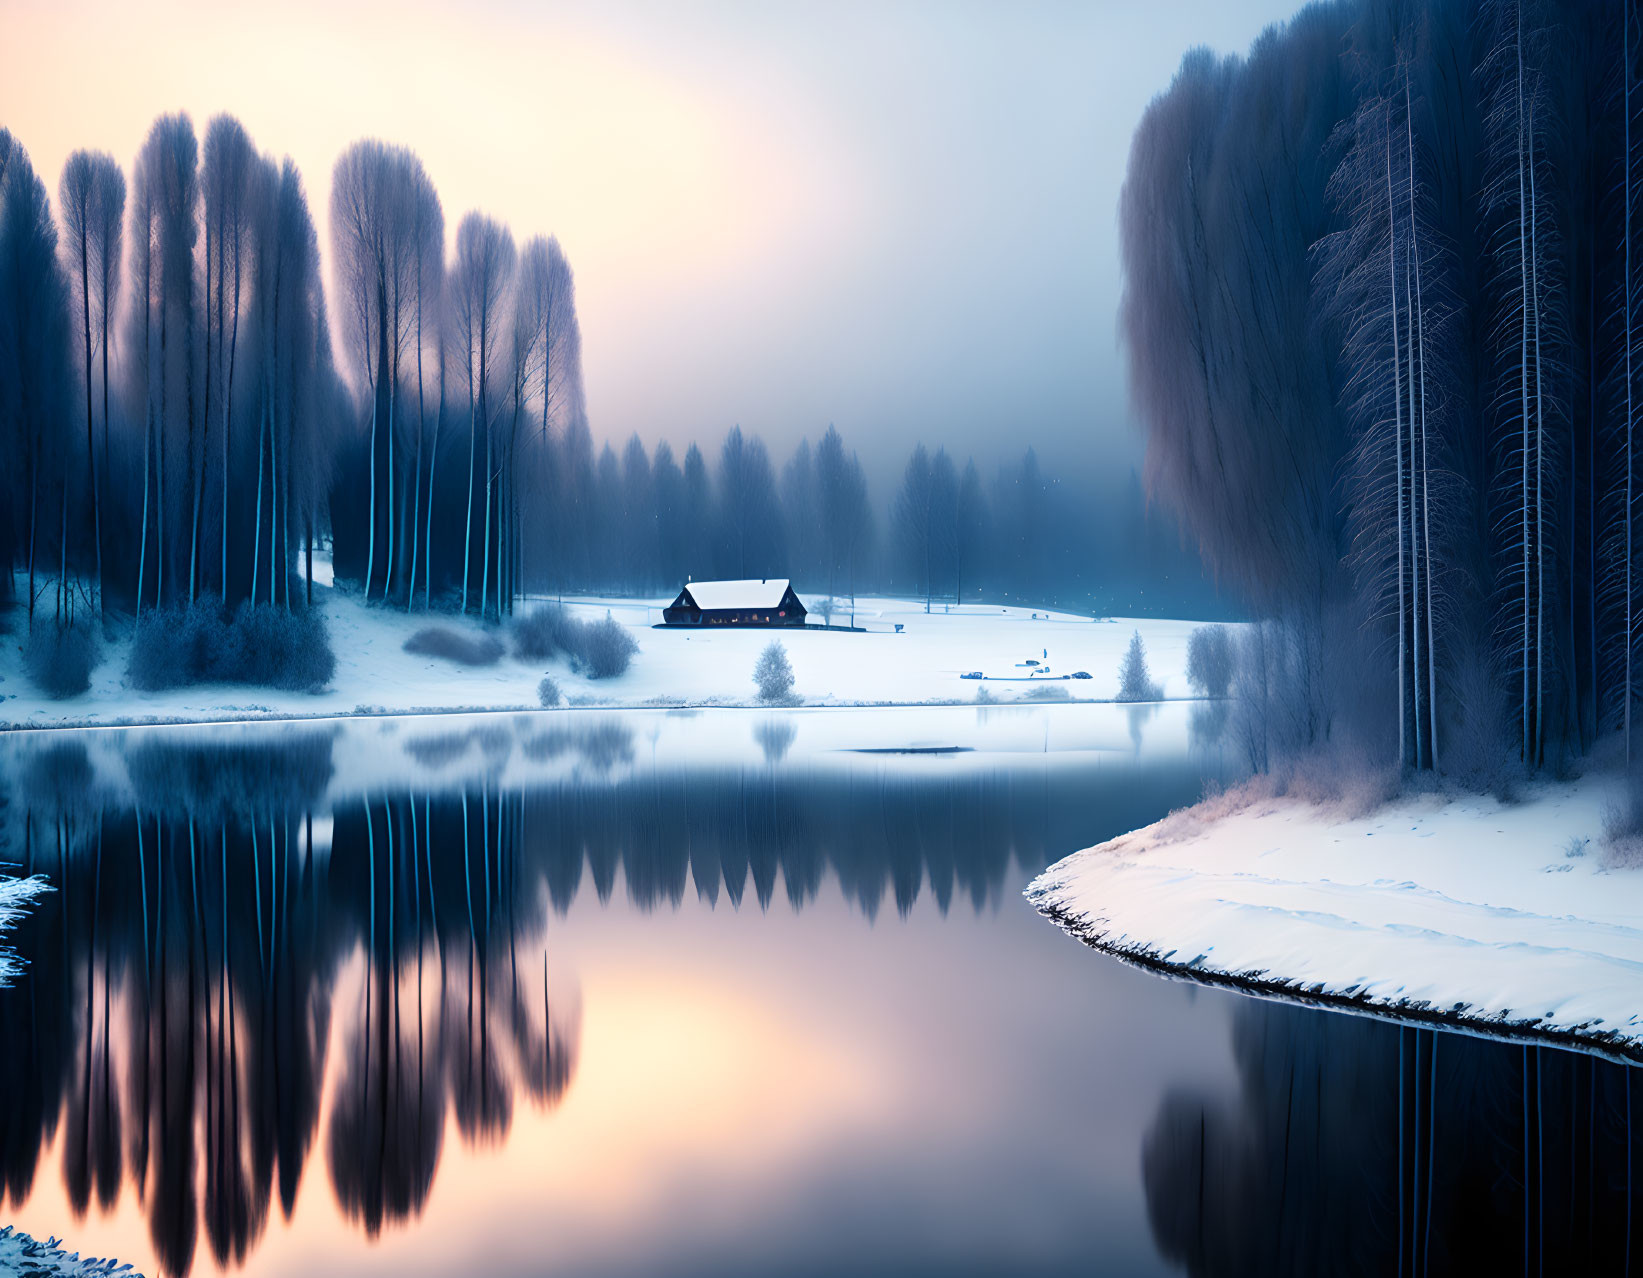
[1497, 917]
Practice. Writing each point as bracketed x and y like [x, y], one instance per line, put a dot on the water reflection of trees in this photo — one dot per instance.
[180, 1000]
[207, 944]
[1357, 1147]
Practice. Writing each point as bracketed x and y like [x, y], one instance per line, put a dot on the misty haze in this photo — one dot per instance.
[745, 639]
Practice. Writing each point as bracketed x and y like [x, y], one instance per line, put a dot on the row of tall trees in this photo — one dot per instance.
[177, 433]
[129, 428]
[1380, 310]
[174, 424]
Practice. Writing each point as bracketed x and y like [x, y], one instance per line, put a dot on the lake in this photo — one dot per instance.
[711, 993]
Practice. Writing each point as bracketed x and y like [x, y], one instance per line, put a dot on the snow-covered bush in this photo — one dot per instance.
[275, 647]
[773, 674]
[1134, 683]
[260, 644]
[164, 647]
[602, 649]
[60, 658]
[1049, 692]
[547, 692]
[1623, 822]
[1209, 661]
[544, 632]
[453, 645]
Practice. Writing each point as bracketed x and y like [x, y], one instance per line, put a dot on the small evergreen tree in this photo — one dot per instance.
[1134, 683]
[773, 674]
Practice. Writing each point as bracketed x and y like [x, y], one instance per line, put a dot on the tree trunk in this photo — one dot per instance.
[91, 453]
[1397, 400]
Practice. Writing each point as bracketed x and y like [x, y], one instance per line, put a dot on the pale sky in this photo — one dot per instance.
[899, 217]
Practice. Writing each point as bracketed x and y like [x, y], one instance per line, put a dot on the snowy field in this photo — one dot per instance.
[1503, 918]
[920, 665]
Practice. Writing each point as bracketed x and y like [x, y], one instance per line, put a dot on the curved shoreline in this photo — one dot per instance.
[1611, 1047]
[1516, 920]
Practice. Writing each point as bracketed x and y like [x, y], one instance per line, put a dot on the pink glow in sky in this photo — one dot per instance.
[897, 217]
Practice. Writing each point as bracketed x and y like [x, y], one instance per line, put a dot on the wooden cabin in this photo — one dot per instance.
[768, 601]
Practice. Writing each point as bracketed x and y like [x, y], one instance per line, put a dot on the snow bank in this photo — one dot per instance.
[15, 894]
[20, 1254]
[680, 667]
[1502, 918]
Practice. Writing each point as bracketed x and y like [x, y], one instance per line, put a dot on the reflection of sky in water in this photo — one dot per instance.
[802, 1021]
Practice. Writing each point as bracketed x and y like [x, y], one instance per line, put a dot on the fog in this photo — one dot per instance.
[901, 219]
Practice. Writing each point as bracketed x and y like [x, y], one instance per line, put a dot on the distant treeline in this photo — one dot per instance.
[1381, 308]
[175, 429]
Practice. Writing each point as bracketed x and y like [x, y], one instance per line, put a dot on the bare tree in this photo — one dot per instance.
[379, 228]
[481, 296]
[91, 195]
[165, 230]
[227, 172]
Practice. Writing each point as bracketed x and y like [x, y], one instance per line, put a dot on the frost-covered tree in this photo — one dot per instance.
[164, 232]
[1210, 660]
[773, 674]
[228, 171]
[380, 236]
[481, 295]
[1134, 682]
[91, 196]
[35, 405]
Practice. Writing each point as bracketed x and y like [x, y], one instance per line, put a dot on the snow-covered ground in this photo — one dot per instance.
[15, 894]
[20, 1254]
[920, 665]
[1499, 917]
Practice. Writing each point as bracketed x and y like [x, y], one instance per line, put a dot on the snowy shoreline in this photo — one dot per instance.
[18, 1250]
[1503, 920]
[903, 656]
[15, 895]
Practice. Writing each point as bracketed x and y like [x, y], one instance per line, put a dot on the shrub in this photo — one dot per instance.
[773, 674]
[547, 692]
[161, 651]
[1134, 683]
[260, 644]
[544, 633]
[60, 658]
[1048, 692]
[1209, 661]
[453, 645]
[274, 647]
[602, 649]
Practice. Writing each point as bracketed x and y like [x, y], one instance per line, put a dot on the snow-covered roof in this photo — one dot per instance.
[711, 596]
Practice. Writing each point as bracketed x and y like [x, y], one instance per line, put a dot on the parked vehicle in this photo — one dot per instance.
[973, 674]
[1081, 674]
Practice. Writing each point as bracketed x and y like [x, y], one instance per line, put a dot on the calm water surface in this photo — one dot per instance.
[717, 994]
